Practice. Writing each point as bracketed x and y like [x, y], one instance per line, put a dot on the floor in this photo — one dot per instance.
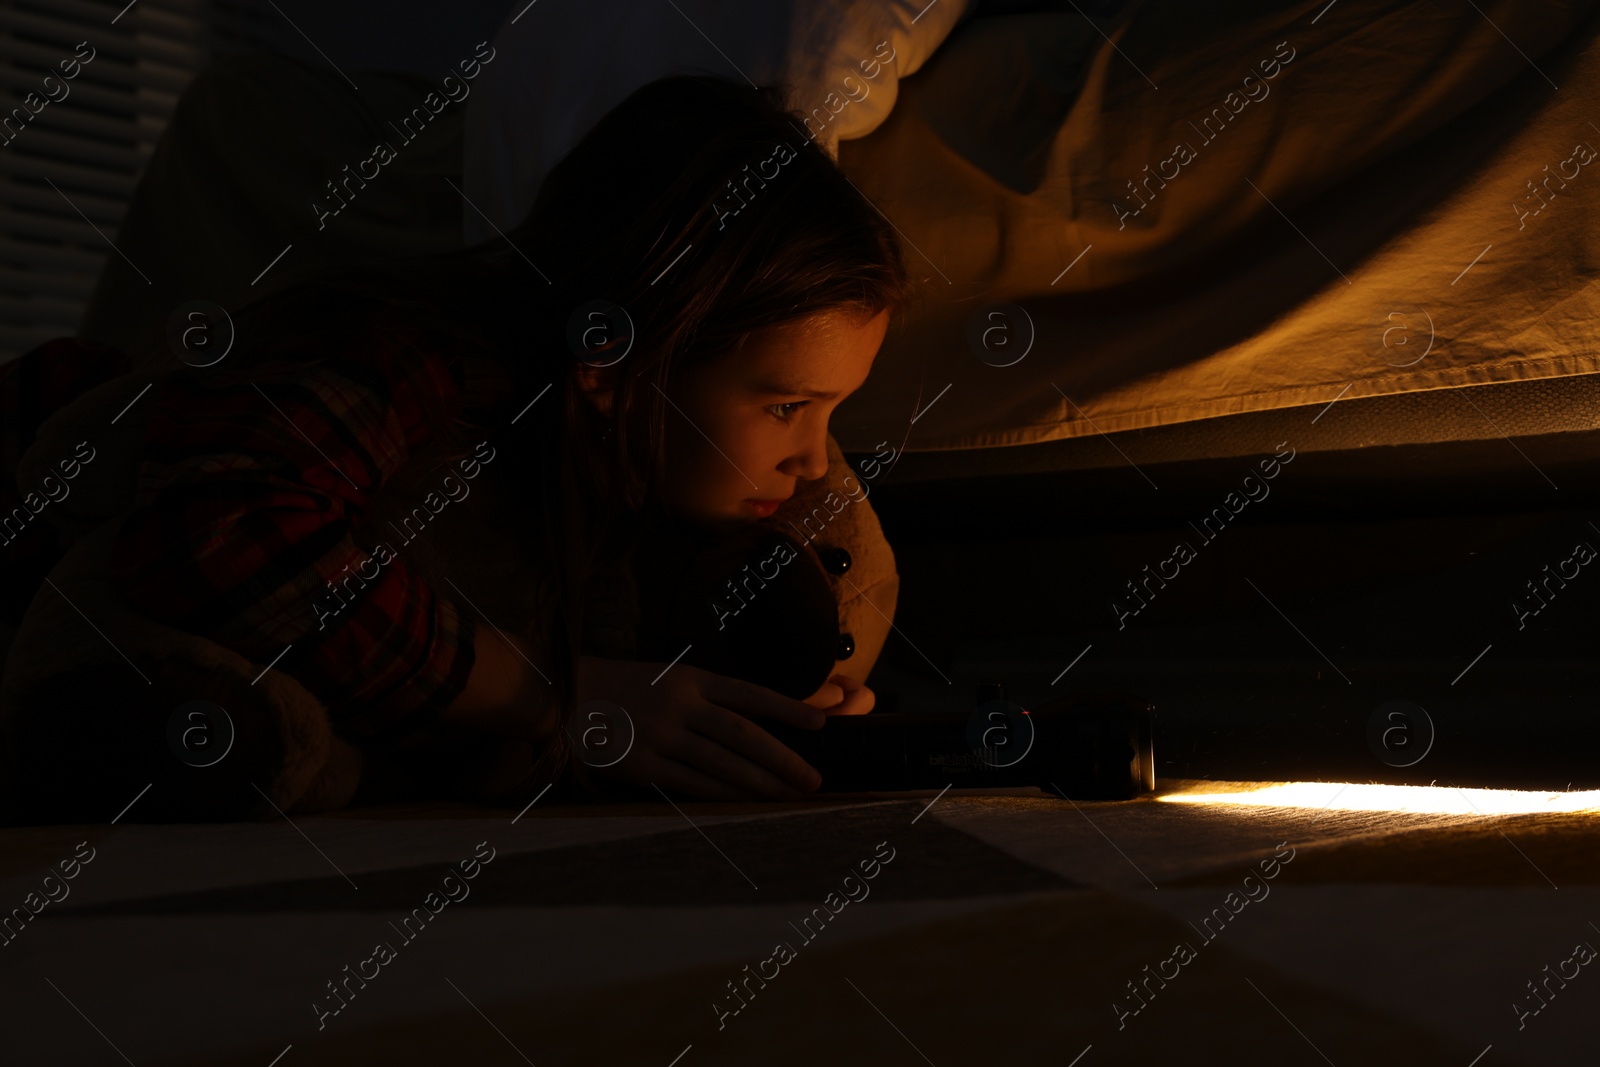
[941, 928]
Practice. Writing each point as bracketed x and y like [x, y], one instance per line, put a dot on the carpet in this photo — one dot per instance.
[1008, 927]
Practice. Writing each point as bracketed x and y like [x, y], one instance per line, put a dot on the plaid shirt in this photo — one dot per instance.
[249, 493]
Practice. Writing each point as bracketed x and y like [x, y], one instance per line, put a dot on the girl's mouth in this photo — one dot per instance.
[762, 508]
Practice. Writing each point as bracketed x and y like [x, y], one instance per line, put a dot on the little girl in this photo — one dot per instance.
[695, 290]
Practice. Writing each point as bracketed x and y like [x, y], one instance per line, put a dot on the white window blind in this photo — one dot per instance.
[68, 171]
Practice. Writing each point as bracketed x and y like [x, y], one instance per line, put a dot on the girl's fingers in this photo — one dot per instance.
[737, 736]
[826, 698]
[747, 698]
[858, 699]
[730, 768]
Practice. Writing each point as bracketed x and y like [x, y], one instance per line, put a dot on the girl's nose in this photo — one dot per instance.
[813, 462]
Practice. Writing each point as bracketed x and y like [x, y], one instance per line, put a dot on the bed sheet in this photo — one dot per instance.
[1228, 208]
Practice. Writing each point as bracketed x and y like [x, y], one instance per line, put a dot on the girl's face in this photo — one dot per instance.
[750, 425]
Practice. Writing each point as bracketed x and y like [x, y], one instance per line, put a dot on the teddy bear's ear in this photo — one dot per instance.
[750, 603]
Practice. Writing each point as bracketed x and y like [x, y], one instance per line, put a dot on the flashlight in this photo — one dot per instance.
[1091, 746]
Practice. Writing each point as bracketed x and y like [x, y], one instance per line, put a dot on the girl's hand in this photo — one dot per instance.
[843, 695]
[692, 731]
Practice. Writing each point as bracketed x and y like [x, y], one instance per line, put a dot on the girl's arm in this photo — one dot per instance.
[505, 696]
[242, 527]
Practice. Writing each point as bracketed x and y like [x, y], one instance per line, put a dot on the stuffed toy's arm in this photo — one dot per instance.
[833, 516]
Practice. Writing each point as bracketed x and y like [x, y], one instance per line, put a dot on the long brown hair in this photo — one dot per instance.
[668, 208]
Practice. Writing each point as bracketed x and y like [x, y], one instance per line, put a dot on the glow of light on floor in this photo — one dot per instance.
[1415, 799]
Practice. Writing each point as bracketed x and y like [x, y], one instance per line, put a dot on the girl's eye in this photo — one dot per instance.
[779, 412]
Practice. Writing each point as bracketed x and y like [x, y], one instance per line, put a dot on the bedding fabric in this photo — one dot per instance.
[568, 62]
[1232, 207]
[1386, 213]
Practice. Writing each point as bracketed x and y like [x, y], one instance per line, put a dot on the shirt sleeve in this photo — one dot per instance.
[242, 526]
